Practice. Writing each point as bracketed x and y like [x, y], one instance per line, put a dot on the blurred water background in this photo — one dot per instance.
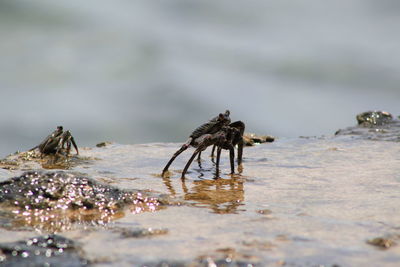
[152, 71]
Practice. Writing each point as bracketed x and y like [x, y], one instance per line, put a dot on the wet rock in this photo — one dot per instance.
[227, 262]
[206, 262]
[169, 264]
[229, 257]
[48, 250]
[55, 200]
[251, 139]
[264, 212]
[374, 125]
[103, 144]
[141, 233]
[20, 160]
[259, 245]
[224, 257]
[371, 118]
[32, 159]
[231, 211]
[382, 242]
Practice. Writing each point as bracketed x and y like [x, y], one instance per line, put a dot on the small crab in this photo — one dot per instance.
[58, 142]
[218, 132]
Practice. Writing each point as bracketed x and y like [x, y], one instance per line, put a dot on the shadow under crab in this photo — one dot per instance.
[218, 132]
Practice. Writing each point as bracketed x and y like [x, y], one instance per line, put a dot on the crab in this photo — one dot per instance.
[58, 142]
[220, 133]
[238, 140]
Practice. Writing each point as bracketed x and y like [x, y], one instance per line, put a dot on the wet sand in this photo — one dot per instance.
[297, 202]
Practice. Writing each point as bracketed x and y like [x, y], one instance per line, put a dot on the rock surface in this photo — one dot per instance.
[327, 201]
[54, 200]
[374, 125]
[250, 139]
[48, 250]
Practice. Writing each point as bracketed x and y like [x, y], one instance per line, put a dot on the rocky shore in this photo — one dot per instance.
[315, 201]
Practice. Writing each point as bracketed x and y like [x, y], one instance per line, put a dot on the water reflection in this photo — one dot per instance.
[221, 195]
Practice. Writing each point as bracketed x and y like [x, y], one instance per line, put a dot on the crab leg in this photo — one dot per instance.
[190, 162]
[68, 146]
[217, 163]
[240, 151]
[212, 153]
[74, 144]
[232, 159]
[240, 126]
[61, 143]
[183, 148]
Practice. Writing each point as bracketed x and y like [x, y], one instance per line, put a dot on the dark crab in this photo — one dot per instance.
[238, 138]
[234, 136]
[218, 132]
[58, 142]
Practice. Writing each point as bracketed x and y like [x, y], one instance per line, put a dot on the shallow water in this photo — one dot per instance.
[297, 202]
[153, 71]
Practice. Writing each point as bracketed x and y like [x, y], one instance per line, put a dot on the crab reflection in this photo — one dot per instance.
[221, 195]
